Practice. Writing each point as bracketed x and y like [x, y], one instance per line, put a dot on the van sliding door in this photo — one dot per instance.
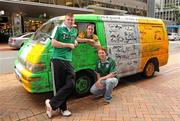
[123, 45]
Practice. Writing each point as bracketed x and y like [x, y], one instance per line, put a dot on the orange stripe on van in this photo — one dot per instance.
[153, 41]
[149, 20]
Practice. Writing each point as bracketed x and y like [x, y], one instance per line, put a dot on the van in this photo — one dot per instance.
[137, 44]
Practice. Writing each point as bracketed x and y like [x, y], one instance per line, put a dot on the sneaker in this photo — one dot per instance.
[107, 101]
[48, 108]
[66, 113]
[96, 97]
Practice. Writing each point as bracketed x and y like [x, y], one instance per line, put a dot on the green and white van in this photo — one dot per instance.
[138, 45]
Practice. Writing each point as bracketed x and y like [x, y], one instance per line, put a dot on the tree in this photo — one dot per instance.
[177, 14]
[157, 6]
[176, 10]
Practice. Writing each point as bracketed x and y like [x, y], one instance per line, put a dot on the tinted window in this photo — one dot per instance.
[46, 30]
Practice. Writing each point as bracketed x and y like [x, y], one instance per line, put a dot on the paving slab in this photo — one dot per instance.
[134, 99]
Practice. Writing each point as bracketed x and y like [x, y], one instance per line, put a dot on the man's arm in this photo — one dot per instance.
[84, 40]
[98, 75]
[57, 44]
[98, 82]
[95, 44]
[90, 41]
[110, 75]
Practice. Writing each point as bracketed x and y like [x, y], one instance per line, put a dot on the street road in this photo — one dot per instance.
[7, 59]
[8, 56]
[134, 99]
[174, 47]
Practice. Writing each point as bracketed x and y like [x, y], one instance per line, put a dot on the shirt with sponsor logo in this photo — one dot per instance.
[64, 35]
[106, 67]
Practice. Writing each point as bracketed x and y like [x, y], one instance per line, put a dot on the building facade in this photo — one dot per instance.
[169, 11]
[166, 10]
[132, 7]
[20, 16]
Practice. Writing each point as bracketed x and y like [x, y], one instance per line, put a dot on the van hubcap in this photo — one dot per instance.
[150, 69]
[82, 85]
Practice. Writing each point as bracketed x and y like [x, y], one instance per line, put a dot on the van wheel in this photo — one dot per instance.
[149, 70]
[22, 44]
[84, 81]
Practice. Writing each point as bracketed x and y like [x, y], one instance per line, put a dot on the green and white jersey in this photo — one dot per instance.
[65, 35]
[104, 68]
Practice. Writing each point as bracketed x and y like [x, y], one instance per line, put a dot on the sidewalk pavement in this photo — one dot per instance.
[134, 99]
[5, 47]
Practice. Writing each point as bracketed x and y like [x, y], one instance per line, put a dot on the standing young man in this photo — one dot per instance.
[107, 77]
[62, 71]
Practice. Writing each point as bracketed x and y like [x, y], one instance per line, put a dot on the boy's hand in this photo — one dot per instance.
[72, 46]
[99, 84]
[75, 43]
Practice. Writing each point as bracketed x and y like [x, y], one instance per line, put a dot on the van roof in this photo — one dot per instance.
[125, 18]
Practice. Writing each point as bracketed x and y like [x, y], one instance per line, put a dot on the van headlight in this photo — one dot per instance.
[35, 67]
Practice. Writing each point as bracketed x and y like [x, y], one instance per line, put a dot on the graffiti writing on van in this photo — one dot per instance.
[123, 45]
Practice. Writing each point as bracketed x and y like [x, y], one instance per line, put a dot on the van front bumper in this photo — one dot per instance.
[33, 83]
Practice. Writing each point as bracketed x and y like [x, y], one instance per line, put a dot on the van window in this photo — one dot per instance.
[81, 26]
[158, 33]
[46, 31]
[151, 32]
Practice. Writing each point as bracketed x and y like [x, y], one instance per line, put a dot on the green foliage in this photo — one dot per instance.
[176, 10]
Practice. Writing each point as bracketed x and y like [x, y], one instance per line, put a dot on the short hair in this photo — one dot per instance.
[90, 24]
[103, 49]
[70, 14]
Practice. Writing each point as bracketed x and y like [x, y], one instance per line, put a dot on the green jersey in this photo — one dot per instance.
[64, 35]
[104, 68]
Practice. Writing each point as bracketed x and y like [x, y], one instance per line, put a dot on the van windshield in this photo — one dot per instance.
[46, 31]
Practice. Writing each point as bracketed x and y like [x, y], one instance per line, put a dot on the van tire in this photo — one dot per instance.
[149, 69]
[84, 81]
[22, 44]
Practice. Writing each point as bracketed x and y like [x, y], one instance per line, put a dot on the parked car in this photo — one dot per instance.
[173, 36]
[17, 42]
[177, 37]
